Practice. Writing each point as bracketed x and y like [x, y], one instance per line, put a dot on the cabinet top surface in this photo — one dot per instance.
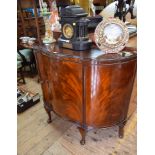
[94, 53]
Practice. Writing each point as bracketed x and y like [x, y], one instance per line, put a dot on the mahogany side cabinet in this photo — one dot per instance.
[89, 88]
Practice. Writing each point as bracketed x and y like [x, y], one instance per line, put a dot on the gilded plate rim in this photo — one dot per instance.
[100, 40]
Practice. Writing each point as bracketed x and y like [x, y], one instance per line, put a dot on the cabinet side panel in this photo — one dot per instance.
[133, 100]
[108, 89]
[66, 79]
[43, 65]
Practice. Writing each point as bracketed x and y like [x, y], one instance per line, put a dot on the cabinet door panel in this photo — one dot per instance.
[108, 90]
[67, 89]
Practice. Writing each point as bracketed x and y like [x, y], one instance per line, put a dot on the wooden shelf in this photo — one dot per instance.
[26, 23]
[32, 18]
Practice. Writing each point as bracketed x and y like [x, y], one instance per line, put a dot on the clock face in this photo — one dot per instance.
[68, 31]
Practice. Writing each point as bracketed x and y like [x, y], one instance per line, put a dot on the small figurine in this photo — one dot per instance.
[54, 17]
[44, 9]
[48, 33]
[92, 7]
[131, 6]
[121, 9]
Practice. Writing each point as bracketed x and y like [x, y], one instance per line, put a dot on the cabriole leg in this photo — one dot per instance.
[48, 110]
[83, 135]
[121, 130]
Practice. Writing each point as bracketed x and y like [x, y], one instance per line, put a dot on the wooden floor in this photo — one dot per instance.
[61, 137]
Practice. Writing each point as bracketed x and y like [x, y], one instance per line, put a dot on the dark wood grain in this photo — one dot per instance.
[66, 88]
[21, 16]
[88, 87]
[108, 89]
[36, 20]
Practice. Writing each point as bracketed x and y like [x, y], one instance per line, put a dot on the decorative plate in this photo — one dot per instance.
[111, 35]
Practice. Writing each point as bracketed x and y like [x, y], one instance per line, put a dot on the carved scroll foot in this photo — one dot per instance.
[82, 141]
[48, 110]
[49, 120]
[121, 130]
[83, 135]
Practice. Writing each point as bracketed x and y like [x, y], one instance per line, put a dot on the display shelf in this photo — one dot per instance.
[34, 23]
[32, 18]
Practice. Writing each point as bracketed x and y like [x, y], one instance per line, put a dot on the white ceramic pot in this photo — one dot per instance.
[25, 39]
[31, 41]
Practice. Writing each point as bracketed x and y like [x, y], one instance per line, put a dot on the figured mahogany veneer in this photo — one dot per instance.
[89, 88]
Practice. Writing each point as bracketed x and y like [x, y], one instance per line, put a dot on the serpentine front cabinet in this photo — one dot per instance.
[89, 88]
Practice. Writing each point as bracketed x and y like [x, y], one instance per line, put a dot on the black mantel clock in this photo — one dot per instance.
[74, 28]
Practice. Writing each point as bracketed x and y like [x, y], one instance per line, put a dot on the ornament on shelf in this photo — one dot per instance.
[92, 8]
[122, 9]
[74, 24]
[48, 39]
[54, 17]
[111, 35]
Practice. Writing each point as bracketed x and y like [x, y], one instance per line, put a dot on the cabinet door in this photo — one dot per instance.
[43, 64]
[66, 78]
[108, 88]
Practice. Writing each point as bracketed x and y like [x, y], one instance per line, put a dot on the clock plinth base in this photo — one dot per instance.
[76, 45]
[82, 45]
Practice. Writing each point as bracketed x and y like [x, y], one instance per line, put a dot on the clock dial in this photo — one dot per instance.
[68, 31]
